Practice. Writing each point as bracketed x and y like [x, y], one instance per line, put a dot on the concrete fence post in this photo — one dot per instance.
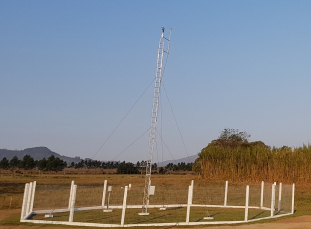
[261, 193]
[192, 188]
[32, 198]
[246, 203]
[293, 198]
[189, 203]
[70, 195]
[24, 201]
[124, 206]
[72, 204]
[280, 197]
[272, 199]
[226, 194]
[104, 194]
[28, 198]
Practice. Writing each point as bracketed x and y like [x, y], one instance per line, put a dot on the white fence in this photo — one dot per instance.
[256, 202]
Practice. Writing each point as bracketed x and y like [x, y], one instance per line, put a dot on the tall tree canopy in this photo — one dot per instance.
[231, 138]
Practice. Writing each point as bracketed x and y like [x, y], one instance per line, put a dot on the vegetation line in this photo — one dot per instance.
[233, 157]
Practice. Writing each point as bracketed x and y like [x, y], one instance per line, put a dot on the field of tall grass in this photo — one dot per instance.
[254, 164]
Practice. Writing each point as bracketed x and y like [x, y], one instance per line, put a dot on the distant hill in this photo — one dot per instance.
[189, 159]
[37, 153]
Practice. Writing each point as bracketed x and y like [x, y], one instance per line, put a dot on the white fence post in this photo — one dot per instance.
[189, 203]
[246, 203]
[192, 185]
[70, 196]
[124, 206]
[24, 201]
[226, 194]
[261, 193]
[293, 198]
[72, 204]
[28, 198]
[104, 194]
[272, 199]
[32, 196]
[280, 197]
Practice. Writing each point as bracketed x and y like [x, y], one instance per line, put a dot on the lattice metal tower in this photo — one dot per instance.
[154, 116]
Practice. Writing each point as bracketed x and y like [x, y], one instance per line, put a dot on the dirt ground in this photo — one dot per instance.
[299, 222]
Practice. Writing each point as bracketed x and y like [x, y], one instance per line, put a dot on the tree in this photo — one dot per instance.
[42, 164]
[169, 166]
[154, 166]
[231, 138]
[127, 168]
[162, 170]
[79, 165]
[15, 162]
[4, 163]
[258, 144]
[55, 164]
[27, 162]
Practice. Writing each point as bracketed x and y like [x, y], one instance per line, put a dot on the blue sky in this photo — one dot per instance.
[71, 70]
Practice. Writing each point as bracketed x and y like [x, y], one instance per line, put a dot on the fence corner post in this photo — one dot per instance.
[24, 201]
[32, 196]
[28, 199]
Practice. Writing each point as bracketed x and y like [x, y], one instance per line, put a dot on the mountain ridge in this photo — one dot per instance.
[38, 153]
[189, 159]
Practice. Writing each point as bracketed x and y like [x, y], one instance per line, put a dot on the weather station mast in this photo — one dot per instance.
[148, 189]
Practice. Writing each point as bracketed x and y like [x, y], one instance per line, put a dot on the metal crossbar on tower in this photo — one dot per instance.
[154, 116]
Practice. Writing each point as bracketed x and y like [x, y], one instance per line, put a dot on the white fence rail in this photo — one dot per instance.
[255, 197]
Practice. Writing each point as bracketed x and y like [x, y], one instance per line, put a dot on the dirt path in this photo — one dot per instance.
[299, 222]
